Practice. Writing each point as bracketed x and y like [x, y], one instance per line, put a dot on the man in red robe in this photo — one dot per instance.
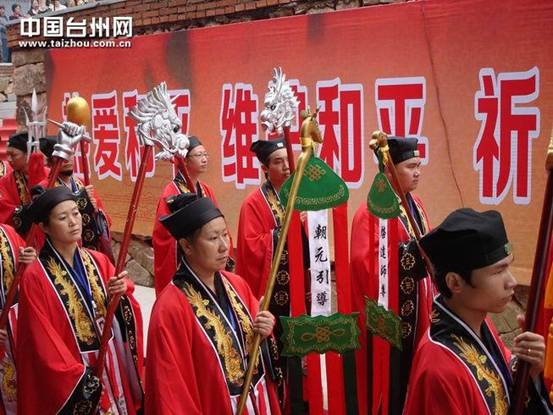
[386, 267]
[461, 365]
[165, 246]
[96, 222]
[62, 306]
[13, 253]
[202, 325]
[15, 186]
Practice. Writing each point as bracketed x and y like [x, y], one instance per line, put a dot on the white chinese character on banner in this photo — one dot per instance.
[75, 28]
[29, 27]
[53, 26]
[99, 27]
[122, 26]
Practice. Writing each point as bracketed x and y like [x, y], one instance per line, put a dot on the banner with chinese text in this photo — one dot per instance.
[473, 79]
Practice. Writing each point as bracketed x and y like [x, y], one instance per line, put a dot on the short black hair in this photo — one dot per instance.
[439, 279]
[15, 6]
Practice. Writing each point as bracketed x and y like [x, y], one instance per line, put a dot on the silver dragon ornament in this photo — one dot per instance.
[281, 105]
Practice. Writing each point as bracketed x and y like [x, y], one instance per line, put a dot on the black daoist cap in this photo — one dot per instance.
[47, 145]
[46, 200]
[264, 148]
[467, 240]
[19, 141]
[190, 213]
[403, 148]
[193, 142]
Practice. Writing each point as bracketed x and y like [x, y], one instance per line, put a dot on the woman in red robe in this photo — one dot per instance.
[202, 325]
[12, 253]
[63, 301]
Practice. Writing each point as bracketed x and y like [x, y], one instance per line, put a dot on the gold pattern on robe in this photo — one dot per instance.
[223, 340]
[21, 185]
[83, 325]
[484, 372]
[7, 260]
[245, 321]
[97, 291]
[9, 388]
[274, 203]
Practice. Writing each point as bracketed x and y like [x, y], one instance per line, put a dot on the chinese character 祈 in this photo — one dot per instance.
[502, 153]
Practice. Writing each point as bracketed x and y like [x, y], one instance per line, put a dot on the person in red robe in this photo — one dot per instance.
[96, 222]
[202, 325]
[63, 301]
[13, 254]
[15, 187]
[461, 365]
[386, 267]
[165, 246]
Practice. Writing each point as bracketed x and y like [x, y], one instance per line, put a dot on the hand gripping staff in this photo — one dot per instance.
[69, 136]
[309, 133]
[537, 284]
[157, 123]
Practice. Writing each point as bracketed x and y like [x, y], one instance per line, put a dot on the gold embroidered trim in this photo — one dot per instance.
[245, 321]
[83, 325]
[275, 205]
[97, 291]
[478, 361]
[9, 386]
[222, 338]
[7, 260]
[21, 185]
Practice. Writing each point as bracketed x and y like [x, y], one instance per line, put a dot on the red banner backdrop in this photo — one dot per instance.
[473, 79]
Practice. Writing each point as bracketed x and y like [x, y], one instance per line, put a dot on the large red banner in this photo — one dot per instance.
[473, 79]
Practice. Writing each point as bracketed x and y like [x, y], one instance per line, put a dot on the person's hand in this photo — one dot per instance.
[27, 255]
[264, 323]
[90, 192]
[530, 347]
[117, 285]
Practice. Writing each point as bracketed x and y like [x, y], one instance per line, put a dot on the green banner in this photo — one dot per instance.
[383, 323]
[320, 188]
[382, 200]
[335, 333]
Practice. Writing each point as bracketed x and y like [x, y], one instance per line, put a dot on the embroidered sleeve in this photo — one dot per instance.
[85, 397]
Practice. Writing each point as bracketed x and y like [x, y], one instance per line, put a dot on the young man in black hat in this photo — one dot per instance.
[461, 365]
[96, 222]
[387, 268]
[15, 186]
[165, 246]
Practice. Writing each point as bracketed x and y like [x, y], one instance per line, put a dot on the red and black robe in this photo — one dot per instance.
[386, 267]
[10, 242]
[59, 329]
[457, 372]
[198, 343]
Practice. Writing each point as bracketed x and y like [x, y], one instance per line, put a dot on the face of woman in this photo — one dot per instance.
[207, 252]
[64, 223]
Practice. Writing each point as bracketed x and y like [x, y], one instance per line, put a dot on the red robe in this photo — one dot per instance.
[165, 246]
[190, 367]
[456, 372]
[15, 189]
[10, 242]
[260, 216]
[379, 276]
[58, 340]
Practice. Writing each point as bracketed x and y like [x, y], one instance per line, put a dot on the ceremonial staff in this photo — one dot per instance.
[69, 137]
[309, 133]
[537, 284]
[157, 123]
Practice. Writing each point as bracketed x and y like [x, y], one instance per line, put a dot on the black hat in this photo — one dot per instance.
[193, 142]
[19, 141]
[467, 240]
[264, 148]
[47, 145]
[190, 213]
[403, 148]
[44, 200]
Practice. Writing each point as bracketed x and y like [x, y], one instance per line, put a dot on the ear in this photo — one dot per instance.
[185, 246]
[43, 227]
[264, 168]
[454, 282]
